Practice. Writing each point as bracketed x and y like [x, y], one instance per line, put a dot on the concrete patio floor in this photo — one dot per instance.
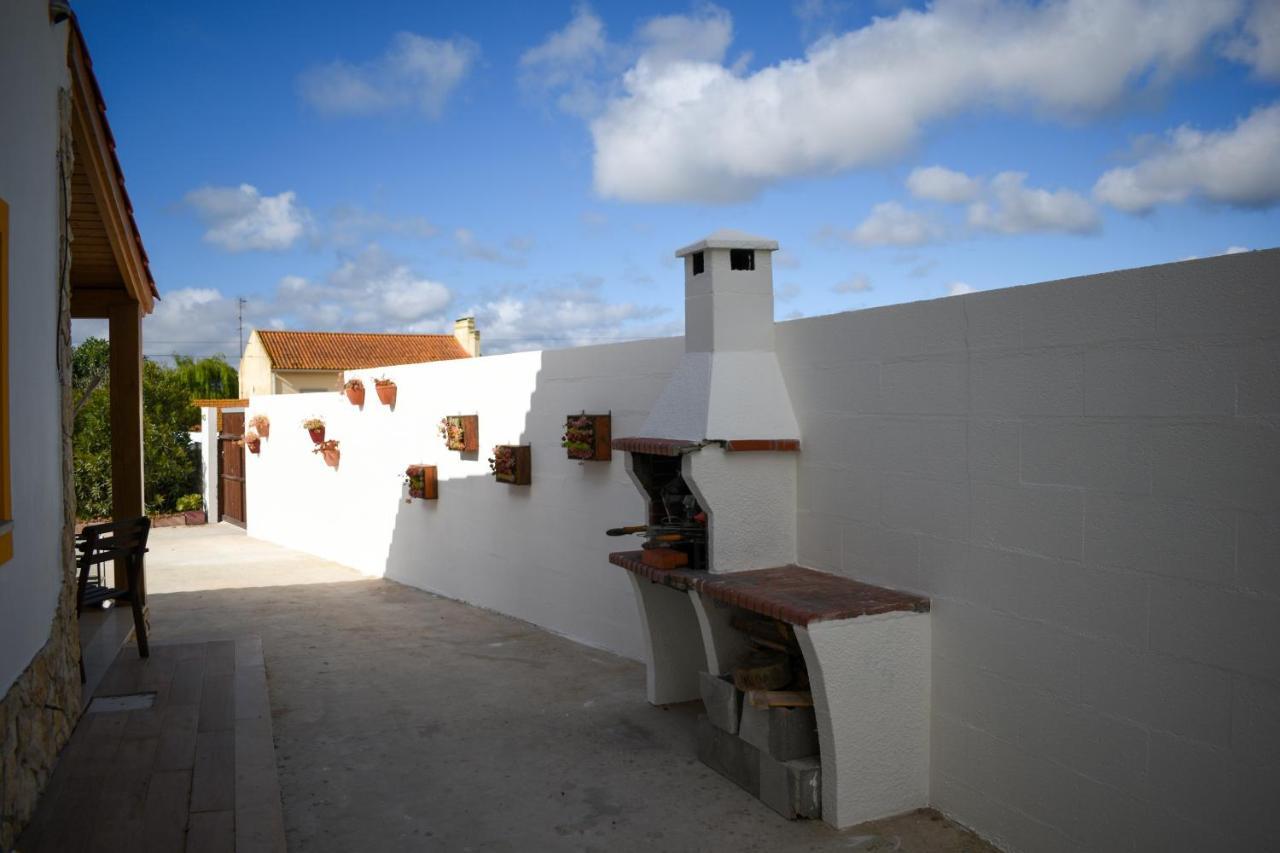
[405, 721]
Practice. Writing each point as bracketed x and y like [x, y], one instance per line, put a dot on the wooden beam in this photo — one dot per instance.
[96, 303]
[125, 331]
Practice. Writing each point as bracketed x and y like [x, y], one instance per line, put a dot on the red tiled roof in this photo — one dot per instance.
[354, 350]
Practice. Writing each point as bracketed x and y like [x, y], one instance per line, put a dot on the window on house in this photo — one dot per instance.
[697, 263]
[6, 498]
[742, 259]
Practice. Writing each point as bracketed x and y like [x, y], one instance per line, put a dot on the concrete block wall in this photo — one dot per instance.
[1085, 477]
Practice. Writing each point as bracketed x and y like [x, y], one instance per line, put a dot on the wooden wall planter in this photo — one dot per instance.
[461, 432]
[423, 482]
[587, 438]
[511, 464]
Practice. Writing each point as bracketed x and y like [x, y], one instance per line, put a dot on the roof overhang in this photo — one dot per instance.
[109, 265]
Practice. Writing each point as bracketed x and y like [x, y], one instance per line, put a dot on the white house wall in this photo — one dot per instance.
[33, 66]
[1084, 476]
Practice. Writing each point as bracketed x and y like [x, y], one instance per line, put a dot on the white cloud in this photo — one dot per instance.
[699, 131]
[415, 72]
[240, 218]
[1237, 167]
[959, 288]
[1259, 45]
[1235, 250]
[941, 184]
[566, 61]
[1013, 208]
[370, 291]
[855, 284]
[555, 318]
[703, 37]
[580, 65]
[891, 224]
[512, 253]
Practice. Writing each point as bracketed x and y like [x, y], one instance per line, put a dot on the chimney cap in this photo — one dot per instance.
[729, 238]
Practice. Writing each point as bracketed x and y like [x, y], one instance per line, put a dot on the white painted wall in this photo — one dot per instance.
[208, 442]
[536, 552]
[1083, 475]
[33, 66]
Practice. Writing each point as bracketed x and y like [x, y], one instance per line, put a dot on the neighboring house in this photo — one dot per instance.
[276, 362]
[59, 179]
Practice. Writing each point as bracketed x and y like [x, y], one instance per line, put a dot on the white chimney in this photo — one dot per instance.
[729, 385]
[464, 329]
[726, 412]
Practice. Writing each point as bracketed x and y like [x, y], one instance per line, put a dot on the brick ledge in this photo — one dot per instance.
[791, 593]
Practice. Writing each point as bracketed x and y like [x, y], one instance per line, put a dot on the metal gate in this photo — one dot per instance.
[232, 501]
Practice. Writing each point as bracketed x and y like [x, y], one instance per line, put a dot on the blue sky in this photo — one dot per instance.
[389, 167]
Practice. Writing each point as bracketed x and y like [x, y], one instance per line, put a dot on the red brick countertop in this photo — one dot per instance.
[792, 594]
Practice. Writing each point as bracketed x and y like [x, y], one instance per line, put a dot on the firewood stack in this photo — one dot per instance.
[773, 674]
[760, 729]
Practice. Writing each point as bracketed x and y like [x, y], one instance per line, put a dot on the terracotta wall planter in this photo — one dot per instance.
[254, 445]
[423, 482]
[355, 394]
[317, 435]
[511, 463]
[587, 438]
[461, 432]
[329, 450]
[387, 393]
[262, 425]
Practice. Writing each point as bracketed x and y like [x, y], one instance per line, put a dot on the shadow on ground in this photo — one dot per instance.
[404, 721]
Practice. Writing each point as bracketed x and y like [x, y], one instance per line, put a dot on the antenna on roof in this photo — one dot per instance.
[240, 303]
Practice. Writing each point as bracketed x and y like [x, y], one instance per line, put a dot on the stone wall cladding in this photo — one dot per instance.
[40, 710]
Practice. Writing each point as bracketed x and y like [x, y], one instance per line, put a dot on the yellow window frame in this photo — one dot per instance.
[6, 496]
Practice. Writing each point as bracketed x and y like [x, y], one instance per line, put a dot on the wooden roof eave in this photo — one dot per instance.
[95, 145]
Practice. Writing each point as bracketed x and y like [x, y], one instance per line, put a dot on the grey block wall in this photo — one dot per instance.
[1084, 475]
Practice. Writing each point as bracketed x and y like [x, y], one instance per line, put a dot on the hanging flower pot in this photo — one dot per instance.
[262, 425]
[329, 450]
[354, 389]
[315, 426]
[386, 391]
[253, 441]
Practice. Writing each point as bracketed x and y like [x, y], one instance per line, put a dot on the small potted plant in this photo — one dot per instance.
[354, 389]
[511, 464]
[460, 432]
[586, 437]
[386, 389]
[253, 441]
[423, 482]
[261, 424]
[329, 450]
[315, 426]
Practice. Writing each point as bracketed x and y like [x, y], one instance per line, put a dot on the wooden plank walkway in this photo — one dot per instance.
[195, 771]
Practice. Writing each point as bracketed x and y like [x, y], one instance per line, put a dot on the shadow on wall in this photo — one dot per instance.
[537, 552]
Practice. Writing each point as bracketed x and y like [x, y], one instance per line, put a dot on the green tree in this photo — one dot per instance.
[171, 462]
[208, 378]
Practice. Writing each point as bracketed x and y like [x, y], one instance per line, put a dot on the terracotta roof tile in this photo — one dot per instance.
[354, 350]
